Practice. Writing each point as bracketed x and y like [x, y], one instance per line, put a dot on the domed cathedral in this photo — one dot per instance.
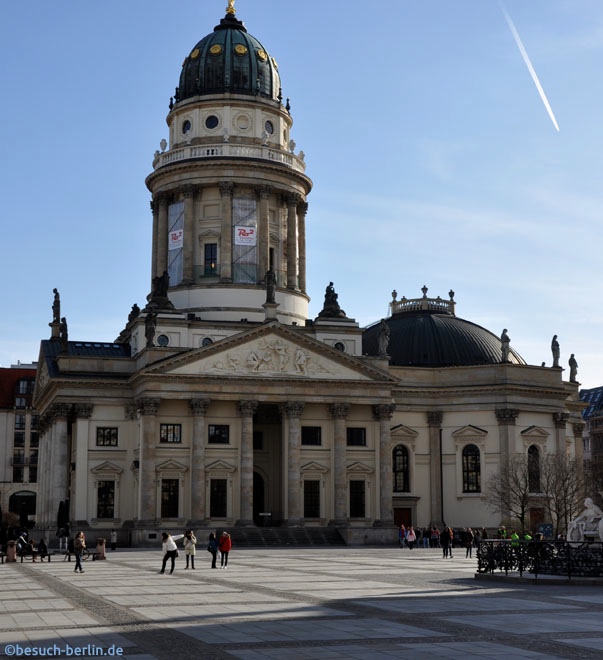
[222, 404]
[229, 192]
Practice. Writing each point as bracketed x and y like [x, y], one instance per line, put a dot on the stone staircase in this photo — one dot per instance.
[280, 537]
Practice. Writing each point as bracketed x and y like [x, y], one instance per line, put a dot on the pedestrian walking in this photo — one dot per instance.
[170, 550]
[411, 537]
[190, 541]
[402, 535]
[469, 536]
[225, 545]
[79, 544]
[212, 548]
[113, 539]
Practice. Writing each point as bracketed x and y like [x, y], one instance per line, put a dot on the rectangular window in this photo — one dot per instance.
[105, 507]
[211, 259]
[169, 498]
[20, 402]
[33, 457]
[106, 436]
[18, 457]
[356, 436]
[19, 440]
[20, 422]
[312, 498]
[311, 435]
[171, 433]
[357, 499]
[218, 434]
[33, 475]
[217, 498]
[18, 473]
[35, 420]
[34, 439]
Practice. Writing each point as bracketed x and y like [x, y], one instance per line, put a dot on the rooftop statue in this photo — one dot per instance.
[56, 307]
[331, 308]
[555, 351]
[383, 338]
[588, 524]
[505, 340]
[573, 365]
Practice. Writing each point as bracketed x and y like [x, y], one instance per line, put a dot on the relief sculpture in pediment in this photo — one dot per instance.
[271, 356]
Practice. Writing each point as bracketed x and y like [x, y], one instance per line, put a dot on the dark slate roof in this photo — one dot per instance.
[51, 348]
[594, 398]
[229, 60]
[428, 339]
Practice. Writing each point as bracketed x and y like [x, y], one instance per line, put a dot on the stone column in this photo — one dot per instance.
[292, 202]
[506, 420]
[198, 408]
[293, 410]
[162, 235]
[339, 413]
[434, 422]
[147, 478]
[60, 465]
[155, 210]
[189, 235]
[263, 193]
[578, 429]
[383, 414]
[246, 410]
[80, 433]
[560, 420]
[226, 192]
[301, 236]
[44, 519]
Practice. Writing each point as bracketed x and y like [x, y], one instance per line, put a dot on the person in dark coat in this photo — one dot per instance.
[212, 547]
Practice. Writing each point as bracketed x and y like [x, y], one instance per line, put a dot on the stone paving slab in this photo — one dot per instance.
[351, 603]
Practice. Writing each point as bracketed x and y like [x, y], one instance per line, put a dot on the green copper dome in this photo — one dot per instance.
[229, 60]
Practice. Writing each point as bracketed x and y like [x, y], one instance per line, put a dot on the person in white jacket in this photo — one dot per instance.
[170, 550]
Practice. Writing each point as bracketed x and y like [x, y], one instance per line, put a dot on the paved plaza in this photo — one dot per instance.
[358, 603]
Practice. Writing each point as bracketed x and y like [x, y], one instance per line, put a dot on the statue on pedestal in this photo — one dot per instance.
[56, 307]
[505, 341]
[270, 286]
[555, 350]
[383, 338]
[573, 365]
[588, 524]
[331, 308]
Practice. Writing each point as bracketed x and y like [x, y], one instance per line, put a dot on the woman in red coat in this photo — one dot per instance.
[225, 544]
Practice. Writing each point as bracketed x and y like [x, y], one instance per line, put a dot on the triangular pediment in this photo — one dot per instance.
[106, 468]
[469, 431]
[270, 351]
[220, 466]
[402, 431]
[171, 466]
[535, 432]
[312, 466]
[359, 468]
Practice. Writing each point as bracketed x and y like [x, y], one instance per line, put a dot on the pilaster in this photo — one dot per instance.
[383, 414]
[292, 410]
[199, 409]
[339, 412]
[147, 507]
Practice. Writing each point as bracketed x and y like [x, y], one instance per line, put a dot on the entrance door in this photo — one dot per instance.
[403, 516]
[258, 500]
[267, 466]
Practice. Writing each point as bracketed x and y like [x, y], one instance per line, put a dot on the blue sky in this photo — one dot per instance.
[433, 158]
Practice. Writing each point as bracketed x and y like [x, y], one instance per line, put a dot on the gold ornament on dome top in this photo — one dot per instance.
[230, 9]
[195, 54]
[216, 49]
[262, 55]
[239, 49]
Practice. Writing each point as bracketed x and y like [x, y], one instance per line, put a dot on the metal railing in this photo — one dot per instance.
[562, 558]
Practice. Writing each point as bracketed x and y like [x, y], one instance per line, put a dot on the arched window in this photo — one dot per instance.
[471, 470]
[401, 472]
[533, 469]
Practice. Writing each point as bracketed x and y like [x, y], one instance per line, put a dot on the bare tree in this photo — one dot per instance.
[563, 486]
[508, 492]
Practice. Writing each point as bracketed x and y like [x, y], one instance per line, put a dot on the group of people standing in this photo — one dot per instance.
[215, 546]
[432, 537]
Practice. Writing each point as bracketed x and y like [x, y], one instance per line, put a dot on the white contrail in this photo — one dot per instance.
[526, 59]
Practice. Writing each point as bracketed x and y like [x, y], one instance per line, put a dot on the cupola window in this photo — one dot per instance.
[211, 122]
[186, 127]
